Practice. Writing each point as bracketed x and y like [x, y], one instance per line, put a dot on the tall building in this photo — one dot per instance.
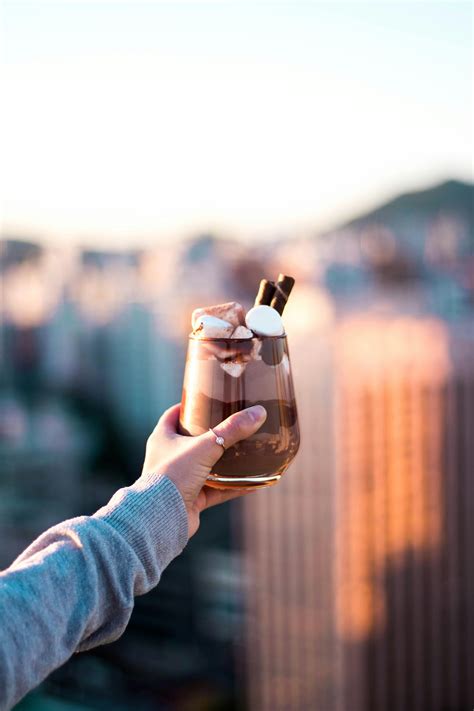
[360, 580]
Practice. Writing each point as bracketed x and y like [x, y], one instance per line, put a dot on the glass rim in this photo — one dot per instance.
[192, 337]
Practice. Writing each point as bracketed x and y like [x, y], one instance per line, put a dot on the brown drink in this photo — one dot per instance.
[225, 375]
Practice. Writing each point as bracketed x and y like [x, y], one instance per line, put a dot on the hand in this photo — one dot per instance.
[187, 461]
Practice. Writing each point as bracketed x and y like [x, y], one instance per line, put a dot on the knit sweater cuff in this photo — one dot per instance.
[151, 516]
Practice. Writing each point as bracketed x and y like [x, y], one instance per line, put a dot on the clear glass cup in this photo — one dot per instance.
[225, 375]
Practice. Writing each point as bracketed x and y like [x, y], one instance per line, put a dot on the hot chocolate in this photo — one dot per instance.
[227, 374]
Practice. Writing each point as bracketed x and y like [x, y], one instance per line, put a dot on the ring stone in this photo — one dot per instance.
[219, 440]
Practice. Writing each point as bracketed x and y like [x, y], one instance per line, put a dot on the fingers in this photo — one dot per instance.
[168, 422]
[238, 426]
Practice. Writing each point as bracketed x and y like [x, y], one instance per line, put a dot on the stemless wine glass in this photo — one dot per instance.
[225, 375]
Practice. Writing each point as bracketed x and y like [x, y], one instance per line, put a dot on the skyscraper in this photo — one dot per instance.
[361, 583]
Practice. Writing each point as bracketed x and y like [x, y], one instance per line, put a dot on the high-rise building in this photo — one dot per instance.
[360, 580]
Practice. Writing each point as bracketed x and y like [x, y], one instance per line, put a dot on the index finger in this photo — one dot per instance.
[168, 422]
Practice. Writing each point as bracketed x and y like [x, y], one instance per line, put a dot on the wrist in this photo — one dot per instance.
[151, 516]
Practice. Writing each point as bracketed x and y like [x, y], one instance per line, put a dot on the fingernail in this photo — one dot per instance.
[256, 413]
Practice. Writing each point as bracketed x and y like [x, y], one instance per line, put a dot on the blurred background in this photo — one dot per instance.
[159, 156]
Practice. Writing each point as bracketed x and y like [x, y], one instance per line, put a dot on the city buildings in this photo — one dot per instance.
[361, 577]
[350, 585]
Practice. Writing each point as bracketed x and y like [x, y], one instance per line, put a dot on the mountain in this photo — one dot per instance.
[453, 198]
[413, 234]
[15, 250]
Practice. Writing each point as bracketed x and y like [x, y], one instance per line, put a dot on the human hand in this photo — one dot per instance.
[187, 461]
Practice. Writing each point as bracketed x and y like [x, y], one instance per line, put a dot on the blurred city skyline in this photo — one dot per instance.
[129, 123]
[327, 591]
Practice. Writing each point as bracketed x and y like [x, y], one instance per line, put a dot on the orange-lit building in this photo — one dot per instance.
[360, 577]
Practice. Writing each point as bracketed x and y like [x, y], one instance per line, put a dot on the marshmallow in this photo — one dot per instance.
[232, 312]
[211, 327]
[265, 321]
[233, 368]
[242, 332]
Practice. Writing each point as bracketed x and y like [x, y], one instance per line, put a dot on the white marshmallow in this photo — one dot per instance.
[234, 369]
[212, 327]
[232, 312]
[242, 332]
[265, 321]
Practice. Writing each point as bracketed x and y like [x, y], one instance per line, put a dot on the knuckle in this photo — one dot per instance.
[234, 424]
[226, 431]
[151, 439]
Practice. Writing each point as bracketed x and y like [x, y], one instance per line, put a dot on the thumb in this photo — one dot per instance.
[238, 426]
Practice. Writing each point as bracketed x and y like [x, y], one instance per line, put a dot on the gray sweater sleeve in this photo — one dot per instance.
[73, 587]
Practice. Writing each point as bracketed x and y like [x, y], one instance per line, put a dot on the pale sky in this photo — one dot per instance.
[123, 122]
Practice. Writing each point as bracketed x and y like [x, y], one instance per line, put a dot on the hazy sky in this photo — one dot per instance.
[123, 121]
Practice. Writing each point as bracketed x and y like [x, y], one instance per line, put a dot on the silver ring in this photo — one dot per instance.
[219, 440]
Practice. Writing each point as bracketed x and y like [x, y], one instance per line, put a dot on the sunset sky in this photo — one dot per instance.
[125, 122]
